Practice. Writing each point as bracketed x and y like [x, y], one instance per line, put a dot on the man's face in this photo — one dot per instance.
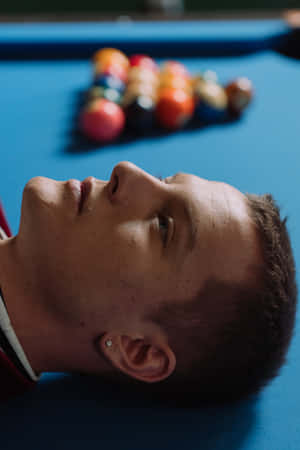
[138, 241]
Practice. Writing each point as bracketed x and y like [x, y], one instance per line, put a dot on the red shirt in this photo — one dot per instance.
[13, 378]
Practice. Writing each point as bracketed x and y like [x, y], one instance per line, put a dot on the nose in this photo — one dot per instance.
[131, 186]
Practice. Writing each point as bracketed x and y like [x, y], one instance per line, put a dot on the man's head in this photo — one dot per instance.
[138, 261]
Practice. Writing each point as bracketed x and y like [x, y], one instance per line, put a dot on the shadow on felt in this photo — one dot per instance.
[68, 411]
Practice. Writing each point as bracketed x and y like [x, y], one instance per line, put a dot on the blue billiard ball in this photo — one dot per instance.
[107, 81]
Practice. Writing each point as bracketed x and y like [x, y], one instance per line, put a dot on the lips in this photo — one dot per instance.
[85, 188]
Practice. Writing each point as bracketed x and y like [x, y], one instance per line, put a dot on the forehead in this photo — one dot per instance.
[225, 237]
[222, 200]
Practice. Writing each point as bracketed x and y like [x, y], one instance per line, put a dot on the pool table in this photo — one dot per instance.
[44, 68]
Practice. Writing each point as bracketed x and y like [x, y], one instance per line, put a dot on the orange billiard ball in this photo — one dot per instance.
[174, 108]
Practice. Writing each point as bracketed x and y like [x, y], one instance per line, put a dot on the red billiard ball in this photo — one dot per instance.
[143, 61]
[174, 108]
[102, 120]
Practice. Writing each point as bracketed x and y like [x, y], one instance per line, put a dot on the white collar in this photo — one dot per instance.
[3, 235]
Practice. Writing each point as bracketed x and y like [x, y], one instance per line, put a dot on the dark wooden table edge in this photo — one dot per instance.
[127, 16]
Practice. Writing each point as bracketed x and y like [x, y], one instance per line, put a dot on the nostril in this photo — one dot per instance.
[115, 184]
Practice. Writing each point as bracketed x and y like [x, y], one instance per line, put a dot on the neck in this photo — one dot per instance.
[18, 295]
[49, 345]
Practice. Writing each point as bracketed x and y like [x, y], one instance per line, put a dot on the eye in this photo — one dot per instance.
[164, 221]
[163, 224]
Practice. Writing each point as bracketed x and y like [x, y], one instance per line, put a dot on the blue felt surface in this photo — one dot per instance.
[258, 154]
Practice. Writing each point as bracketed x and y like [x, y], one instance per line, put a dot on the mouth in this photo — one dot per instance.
[85, 189]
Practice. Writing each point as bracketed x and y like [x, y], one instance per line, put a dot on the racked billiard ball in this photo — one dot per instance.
[174, 108]
[108, 81]
[176, 68]
[143, 61]
[211, 101]
[102, 120]
[139, 88]
[139, 113]
[99, 92]
[240, 94]
[116, 70]
[143, 75]
[111, 56]
[174, 81]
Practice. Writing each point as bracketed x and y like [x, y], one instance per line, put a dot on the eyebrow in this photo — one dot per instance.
[190, 242]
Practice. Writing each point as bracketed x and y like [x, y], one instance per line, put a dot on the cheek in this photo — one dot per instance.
[104, 258]
[102, 254]
[123, 251]
[126, 242]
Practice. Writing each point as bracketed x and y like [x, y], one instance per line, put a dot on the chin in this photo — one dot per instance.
[41, 189]
[40, 196]
[38, 183]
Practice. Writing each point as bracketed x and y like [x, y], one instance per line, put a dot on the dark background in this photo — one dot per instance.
[137, 6]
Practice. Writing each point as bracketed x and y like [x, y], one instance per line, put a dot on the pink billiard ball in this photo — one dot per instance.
[102, 120]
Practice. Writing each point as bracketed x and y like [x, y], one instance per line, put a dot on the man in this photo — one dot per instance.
[183, 287]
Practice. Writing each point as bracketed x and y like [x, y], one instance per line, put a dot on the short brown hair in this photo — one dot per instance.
[241, 355]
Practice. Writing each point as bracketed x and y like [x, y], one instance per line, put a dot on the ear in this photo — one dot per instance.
[137, 357]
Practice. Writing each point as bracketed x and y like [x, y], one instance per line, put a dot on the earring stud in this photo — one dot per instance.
[108, 343]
